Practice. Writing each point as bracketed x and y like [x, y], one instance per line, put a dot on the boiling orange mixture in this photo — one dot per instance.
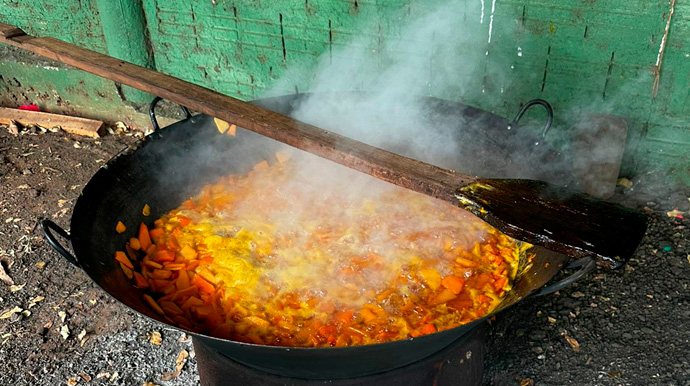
[262, 258]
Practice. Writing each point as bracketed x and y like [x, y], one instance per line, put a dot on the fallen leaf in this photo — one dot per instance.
[40, 264]
[526, 382]
[8, 313]
[23, 186]
[181, 357]
[35, 300]
[551, 320]
[102, 374]
[81, 335]
[26, 313]
[86, 377]
[572, 342]
[112, 377]
[62, 315]
[64, 331]
[155, 338]
[5, 338]
[17, 288]
[675, 213]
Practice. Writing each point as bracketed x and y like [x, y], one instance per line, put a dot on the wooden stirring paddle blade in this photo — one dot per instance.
[531, 211]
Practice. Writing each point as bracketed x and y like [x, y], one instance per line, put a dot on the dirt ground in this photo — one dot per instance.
[628, 327]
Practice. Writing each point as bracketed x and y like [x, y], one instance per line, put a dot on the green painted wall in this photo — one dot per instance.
[580, 55]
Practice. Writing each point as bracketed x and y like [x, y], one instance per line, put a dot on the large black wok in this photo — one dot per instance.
[171, 164]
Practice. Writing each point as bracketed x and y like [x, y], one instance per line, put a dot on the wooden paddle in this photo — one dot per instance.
[531, 211]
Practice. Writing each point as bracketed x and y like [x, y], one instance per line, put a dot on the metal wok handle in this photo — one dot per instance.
[152, 113]
[47, 227]
[527, 106]
[585, 264]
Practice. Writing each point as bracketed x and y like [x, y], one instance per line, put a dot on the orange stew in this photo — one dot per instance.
[261, 258]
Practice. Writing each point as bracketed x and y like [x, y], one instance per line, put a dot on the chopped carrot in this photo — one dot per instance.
[134, 243]
[207, 275]
[453, 283]
[144, 238]
[120, 227]
[153, 304]
[188, 252]
[184, 293]
[193, 301]
[152, 264]
[175, 266]
[442, 297]
[172, 243]
[431, 277]
[162, 256]
[232, 130]
[156, 233]
[140, 281]
[126, 270]
[467, 263]
[182, 281]
[202, 284]
[427, 329]
[500, 283]
[221, 125]
[122, 258]
[146, 210]
[161, 273]
[184, 221]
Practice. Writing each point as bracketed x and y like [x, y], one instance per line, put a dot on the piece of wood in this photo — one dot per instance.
[526, 210]
[74, 125]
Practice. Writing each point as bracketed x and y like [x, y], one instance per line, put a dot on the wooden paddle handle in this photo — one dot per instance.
[406, 172]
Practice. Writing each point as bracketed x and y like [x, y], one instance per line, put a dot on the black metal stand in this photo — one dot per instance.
[458, 364]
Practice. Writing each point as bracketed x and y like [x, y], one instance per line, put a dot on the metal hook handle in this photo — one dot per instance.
[152, 113]
[47, 227]
[527, 106]
[585, 264]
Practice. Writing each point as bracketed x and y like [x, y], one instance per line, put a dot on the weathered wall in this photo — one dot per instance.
[580, 55]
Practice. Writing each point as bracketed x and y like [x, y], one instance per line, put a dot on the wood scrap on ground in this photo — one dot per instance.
[75, 125]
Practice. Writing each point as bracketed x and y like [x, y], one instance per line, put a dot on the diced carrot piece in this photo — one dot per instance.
[161, 274]
[442, 297]
[431, 277]
[207, 275]
[151, 250]
[203, 285]
[453, 283]
[152, 264]
[193, 301]
[261, 165]
[182, 281]
[427, 329]
[175, 266]
[483, 298]
[126, 270]
[122, 258]
[131, 253]
[162, 256]
[367, 315]
[193, 265]
[283, 155]
[467, 263]
[146, 210]
[172, 243]
[153, 304]
[170, 308]
[184, 221]
[183, 293]
[156, 233]
[255, 320]
[134, 243]
[144, 238]
[161, 283]
[221, 125]
[232, 130]
[188, 252]
[500, 283]
[140, 281]
[120, 227]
